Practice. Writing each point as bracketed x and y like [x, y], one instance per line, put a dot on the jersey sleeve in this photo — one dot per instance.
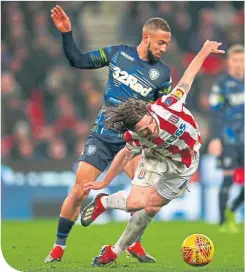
[174, 100]
[90, 60]
[166, 87]
[132, 144]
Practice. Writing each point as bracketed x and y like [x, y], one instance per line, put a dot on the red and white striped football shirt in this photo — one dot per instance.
[179, 136]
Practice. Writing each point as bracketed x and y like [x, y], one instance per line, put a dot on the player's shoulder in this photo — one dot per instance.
[218, 84]
[162, 66]
[128, 47]
[121, 48]
[174, 100]
[221, 78]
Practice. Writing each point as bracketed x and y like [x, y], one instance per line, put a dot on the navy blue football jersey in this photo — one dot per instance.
[227, 106]
[129, 76]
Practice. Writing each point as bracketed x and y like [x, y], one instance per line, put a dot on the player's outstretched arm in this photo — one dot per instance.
[190, 73]
[90, 60]
[119, 162]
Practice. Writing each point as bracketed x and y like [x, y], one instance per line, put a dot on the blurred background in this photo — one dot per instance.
[48, 107]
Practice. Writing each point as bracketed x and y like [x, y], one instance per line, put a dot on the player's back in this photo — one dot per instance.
[179, 136]
[179, 131]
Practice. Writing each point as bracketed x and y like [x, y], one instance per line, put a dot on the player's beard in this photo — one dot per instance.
[150, 55]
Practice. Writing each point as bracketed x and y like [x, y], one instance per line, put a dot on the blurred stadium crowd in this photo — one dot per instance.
[48, 107]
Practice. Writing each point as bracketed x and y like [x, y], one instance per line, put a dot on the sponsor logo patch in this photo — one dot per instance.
[178, 93]
[131, 81]
[127, 56]
[170, 101]
[176, 135]
[174, 97]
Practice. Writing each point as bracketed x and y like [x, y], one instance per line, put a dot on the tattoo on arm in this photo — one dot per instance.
[185, 87]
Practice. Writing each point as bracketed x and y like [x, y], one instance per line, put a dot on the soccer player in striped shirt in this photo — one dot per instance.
[169, 139]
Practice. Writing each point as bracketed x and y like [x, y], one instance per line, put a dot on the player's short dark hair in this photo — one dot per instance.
[157, 23]
[125, 116]
[236, 48]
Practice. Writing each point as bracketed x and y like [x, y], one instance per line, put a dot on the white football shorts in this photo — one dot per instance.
[169, 184]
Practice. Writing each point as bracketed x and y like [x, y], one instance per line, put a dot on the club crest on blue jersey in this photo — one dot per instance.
[91, 149]
[154, 74]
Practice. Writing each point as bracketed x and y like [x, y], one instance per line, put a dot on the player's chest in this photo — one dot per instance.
[234, 93]
[130, 72]
[156, 145]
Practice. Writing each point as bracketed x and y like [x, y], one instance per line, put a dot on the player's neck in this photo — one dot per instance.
[238, 76]
[142, 52]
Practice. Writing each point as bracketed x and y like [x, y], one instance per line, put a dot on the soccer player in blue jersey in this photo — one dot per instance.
[134, 72]
[227, 107]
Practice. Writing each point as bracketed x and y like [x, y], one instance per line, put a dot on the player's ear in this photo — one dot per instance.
[146, 38]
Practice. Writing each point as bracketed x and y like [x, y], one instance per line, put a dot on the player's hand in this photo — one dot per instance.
[93, 185]
[212, 47]
[215, 147]
[60, 19]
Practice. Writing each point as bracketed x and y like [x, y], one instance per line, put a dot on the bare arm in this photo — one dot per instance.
[190, 73]
[119, 162]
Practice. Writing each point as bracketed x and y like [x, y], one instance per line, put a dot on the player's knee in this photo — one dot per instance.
[77, 192]
[135, 204]
[152, 211]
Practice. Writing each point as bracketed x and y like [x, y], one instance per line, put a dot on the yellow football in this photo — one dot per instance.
[197, 250]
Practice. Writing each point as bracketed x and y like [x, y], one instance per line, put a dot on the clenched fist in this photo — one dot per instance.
[60, 19]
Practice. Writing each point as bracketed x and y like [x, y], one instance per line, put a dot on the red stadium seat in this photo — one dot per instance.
[35, 112]
[212, 65]
[239, 176]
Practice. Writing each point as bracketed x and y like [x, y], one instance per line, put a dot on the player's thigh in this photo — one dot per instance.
[143, 185]
[138, 197]
[86, 172]
[131, 166]
[97, 153]
[172, 186]
[94, 159]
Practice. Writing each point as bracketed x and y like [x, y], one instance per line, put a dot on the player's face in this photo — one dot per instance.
[157, 44]
[235, 63]
[147, 128]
